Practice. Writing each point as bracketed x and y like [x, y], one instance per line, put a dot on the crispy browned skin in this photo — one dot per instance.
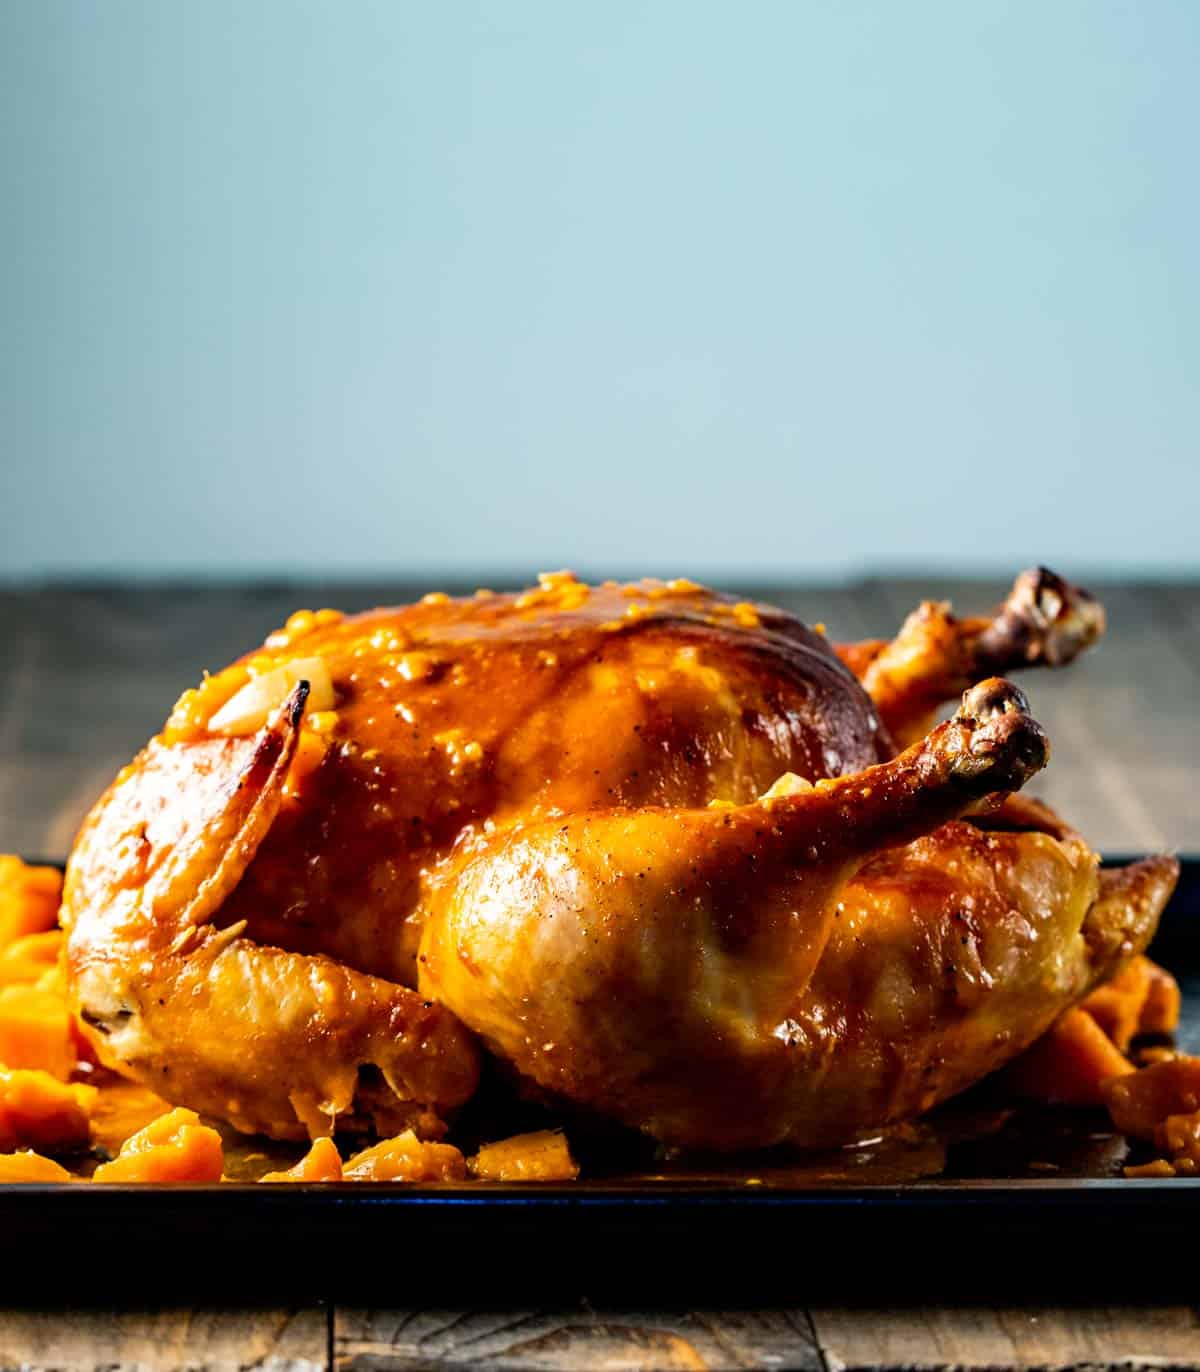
[951, 955]
[520, 789]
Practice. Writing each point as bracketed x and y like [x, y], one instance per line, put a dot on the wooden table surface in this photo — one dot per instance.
[87, 674]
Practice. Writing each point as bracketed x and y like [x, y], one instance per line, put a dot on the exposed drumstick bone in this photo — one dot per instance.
[1044, 621]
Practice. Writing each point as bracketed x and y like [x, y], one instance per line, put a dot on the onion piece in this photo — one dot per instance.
[246, 712]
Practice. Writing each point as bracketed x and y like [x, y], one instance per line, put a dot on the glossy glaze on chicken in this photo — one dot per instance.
[659, 851]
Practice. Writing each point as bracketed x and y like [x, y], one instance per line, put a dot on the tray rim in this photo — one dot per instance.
[956, 1193]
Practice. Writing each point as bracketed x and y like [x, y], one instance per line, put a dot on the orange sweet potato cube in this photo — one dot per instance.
[540, 1156]
[406, 1158]
[1157, 1169]
[322, 1162]
[38, 1111]
[174, 1147]
[1141, 1102]
[1117, 1005]
[35, 1031]
[29, 898]
[27, 959]
[1160, 1010]
[1069, 1064]
[1179, 1137]
[30, 1167]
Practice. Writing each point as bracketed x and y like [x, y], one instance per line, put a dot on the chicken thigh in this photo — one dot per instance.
[654, 848]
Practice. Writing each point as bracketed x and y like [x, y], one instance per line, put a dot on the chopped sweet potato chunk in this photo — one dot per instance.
[540, 1156]
[322, 1162]
[1117, 1005]
[26, 960]
[31, 1167]
[38, 1111]
[1143, 998]
[406, 1158]
[1179, 1137]
[1141, 1101]
[29, 898]
[1160, 1010]
[175, 1147]
[1069, 1064]
[35, 1031]
[1162, 1103]
[1160, 1167]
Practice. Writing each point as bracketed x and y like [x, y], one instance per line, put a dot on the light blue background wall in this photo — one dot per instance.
[769, 287]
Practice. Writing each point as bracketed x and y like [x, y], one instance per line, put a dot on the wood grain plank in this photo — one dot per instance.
[848, 612]
[1182, 599]
[43, 800]
[1145, 715]
[18, 668]
[1047, 1339]
[1178, 610]
[14, 607]
[209, 1340]
[576, 1337]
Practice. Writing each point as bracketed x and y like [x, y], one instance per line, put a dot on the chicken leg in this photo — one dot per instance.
[645, 962]
[1044, 621]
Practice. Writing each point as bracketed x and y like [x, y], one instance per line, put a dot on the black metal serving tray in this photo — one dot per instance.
[1005, 1221]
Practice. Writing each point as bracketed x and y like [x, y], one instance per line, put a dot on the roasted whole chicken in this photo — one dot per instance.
[672, 859]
